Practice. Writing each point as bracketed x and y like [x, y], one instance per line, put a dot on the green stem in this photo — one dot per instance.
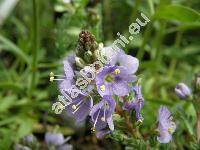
[198, 126]
[35, 46]
[107, 19]
[134, 11]
[160, 40]
[145, 39]
[174, 61]
[151, 7]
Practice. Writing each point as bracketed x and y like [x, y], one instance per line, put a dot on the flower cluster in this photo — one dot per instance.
[112, 83]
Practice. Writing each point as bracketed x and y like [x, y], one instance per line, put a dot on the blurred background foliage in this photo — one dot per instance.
[37, 35]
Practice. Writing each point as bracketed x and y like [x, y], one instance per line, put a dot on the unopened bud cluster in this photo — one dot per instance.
[86, 47]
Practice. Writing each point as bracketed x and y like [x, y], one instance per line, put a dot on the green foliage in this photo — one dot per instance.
[129, 143]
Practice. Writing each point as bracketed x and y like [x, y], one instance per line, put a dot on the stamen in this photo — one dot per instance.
[104, 115]
[102, 88]
[93, 128]
[74, 107]
[51, 74]
[52, 77]
[117, 71]
[77, 106]
[139, 121]
[59, 76]
[170, 130]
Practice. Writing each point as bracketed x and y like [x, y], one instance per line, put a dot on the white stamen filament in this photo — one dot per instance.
[57, 79]
[52, 77]
[77, 106]
[59, 76]
[93, 129]
[104, 115]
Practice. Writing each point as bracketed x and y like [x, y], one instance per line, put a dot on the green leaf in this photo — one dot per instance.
[13, 48]
[13, 86]
[25, 127]
[7, 102]
[178, 13]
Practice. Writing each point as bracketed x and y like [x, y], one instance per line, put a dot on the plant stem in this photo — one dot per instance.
[35, 46]
[174, 61]
[198, 126]
[134, 11]
[151, 7]
[145, 39]
[107, 19]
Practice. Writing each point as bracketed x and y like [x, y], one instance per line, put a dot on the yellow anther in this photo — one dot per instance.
[74, 107]
[51, 74]
[170, 130]
[117, 71]
[93, 129]
[102, 88]
[140, 121]
[51, 79]
[103, 119]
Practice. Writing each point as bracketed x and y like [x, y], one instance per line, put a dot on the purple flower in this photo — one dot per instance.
[166, 126]
[65, 147]
[79, 108]
[67, 80]
[29, 140]
[78, 105]
[57, 141]
[54, 139]
[182, 90]
[111, 54]
[118, 57]
[113, 80]
[69, 72]
[136, 104]
[101, 115]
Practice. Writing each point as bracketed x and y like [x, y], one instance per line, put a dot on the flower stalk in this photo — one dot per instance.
[35, 47]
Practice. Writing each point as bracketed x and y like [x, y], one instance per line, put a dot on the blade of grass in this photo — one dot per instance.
[14, 48]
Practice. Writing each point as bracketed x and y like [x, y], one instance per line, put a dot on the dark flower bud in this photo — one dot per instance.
[182, 90]
[86, 42]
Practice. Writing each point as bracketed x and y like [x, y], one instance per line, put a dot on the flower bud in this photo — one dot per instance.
[54, 139]
[88, 57]
[29, 140]
[80, 62]
[182, 90]
[86, 42]
[197, 82]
